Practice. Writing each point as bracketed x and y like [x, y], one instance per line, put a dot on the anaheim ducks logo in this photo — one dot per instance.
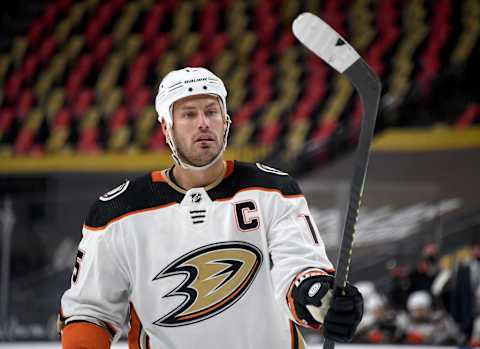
[216, 276]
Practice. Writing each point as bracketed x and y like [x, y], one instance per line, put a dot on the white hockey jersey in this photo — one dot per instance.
[205, 268]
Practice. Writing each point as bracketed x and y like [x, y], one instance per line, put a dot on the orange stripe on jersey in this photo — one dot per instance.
[135, 329]
[293, 336]
[135, 338]
[158, 176]
[80, 335]
[128, 214]
[230, 168]
[293, 196]
[297, 341]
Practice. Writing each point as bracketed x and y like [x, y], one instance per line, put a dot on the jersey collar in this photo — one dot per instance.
[163, 176]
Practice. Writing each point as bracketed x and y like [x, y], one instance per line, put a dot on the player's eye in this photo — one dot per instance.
[189, 114]
[211, 112]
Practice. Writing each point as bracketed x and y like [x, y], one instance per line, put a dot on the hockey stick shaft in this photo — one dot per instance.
[367, 85]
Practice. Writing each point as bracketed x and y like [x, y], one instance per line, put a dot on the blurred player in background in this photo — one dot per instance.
[464, 283]
[209, 253]
[422, 324]
[423, 276]
[378, 324]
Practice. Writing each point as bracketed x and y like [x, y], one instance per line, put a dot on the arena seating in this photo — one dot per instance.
[82, 78]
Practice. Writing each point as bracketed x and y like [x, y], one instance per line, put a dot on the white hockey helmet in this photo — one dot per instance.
[419, 300]
[183, 83]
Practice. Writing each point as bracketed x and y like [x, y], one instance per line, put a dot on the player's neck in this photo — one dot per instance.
[188, 179]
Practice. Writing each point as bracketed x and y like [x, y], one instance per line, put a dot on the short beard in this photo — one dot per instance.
[194, 162]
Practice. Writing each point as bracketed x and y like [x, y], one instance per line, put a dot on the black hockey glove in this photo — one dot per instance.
[311, 295]
[315, 303]
[344, 315]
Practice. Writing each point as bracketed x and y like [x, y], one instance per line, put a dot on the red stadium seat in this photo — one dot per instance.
[286, 40]
[77, 77]
[82, 103]
[157, 141]
[24, 141]
[244, 114]
[209, 22]
[106, 11]
[440, 29]
[93, 32]
[62, 118]
[140, 100]
[50, 16]
[158, 46]
[87, 141]
[13, 86]
[170, 4]
[102, 50]
[64, 5]
[153, 22]
[47, 49]
[25, 102]
[260, 59]
[316, 87]
[304, 109]
[118, 119]
[73, 85]
[324, 131]
[266, 24]
[216, 46]
[472, 112]
[269, 134]
[84, 64]
[7, 115]
[140, 63]
[262, 75]
[198, 59]
[35, 33]
[137, 75]
[117, 5]
[29, 68]
[133, 84]
[262, 96]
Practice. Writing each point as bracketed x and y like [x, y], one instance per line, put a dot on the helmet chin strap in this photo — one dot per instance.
[182, 162]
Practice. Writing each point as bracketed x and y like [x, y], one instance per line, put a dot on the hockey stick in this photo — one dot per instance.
[326, 43]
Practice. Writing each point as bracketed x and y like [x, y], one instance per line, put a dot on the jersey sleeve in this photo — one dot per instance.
[295, 245]
[81, 335]
[99, 289]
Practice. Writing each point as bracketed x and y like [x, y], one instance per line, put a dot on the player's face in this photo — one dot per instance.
[198, 128]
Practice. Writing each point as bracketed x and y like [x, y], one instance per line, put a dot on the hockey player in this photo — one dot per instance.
[206, 254]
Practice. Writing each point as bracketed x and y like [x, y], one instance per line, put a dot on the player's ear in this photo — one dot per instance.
[164, 127]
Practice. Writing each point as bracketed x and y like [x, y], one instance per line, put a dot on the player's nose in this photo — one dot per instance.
[203, 121]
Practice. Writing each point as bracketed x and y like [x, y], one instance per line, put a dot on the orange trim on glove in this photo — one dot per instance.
[291, 302]
[85, 335]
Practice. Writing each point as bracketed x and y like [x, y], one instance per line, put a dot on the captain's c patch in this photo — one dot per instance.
[216, 276]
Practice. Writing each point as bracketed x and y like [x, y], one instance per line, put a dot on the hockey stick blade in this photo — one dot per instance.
[327, 44]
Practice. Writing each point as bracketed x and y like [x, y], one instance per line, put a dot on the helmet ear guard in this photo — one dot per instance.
[183, 83]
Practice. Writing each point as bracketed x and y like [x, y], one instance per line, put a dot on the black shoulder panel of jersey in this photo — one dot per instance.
[139, 194]
[248, 175]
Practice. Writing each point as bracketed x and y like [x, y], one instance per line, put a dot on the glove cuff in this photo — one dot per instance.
[300, 313]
